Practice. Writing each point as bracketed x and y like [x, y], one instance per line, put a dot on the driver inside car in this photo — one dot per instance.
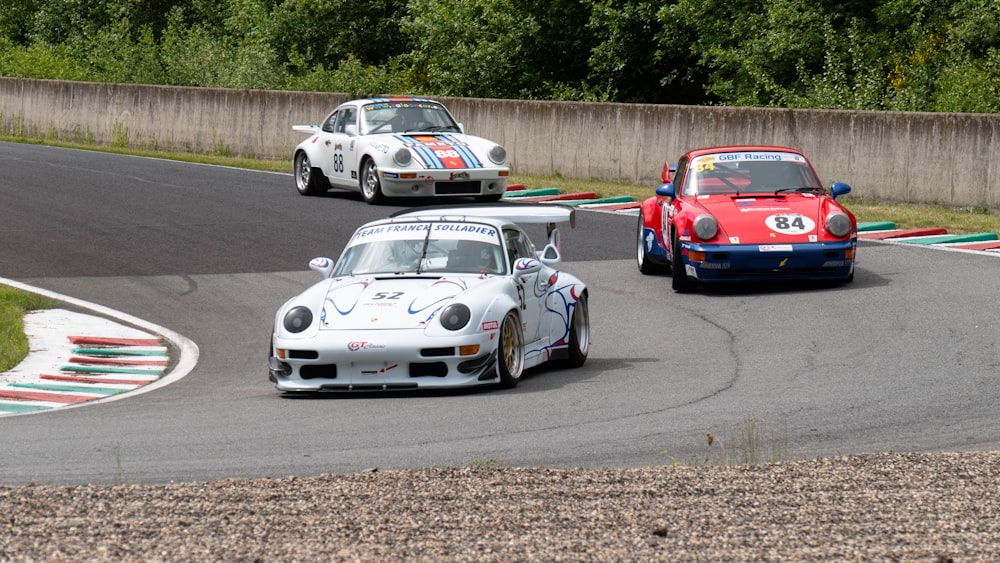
[472, 256]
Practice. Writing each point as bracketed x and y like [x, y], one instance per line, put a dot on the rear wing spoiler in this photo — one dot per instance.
[513, 212]
[543, 214]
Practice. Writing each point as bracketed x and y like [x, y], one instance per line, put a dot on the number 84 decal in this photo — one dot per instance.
[790, 224]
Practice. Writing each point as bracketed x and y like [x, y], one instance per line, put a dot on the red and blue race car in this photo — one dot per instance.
[743, 213]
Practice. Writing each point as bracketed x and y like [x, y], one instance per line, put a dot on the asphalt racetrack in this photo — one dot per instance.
[905, 358]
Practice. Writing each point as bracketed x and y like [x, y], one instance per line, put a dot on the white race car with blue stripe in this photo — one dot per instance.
[398, 147]
[434, 298]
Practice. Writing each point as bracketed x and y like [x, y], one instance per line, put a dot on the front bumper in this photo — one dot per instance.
[431, 183]
[382, 360]
[802, 261]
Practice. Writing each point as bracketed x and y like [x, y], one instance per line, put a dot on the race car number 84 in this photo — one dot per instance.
[793, 224]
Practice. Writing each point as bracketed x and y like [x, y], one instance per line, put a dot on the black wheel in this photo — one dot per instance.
[579, 333]
[309, 180]
[680, 281]
[371, 187]
[646, 266]
[510, 351]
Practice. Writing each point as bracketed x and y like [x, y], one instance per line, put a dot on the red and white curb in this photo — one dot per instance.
[76, 358]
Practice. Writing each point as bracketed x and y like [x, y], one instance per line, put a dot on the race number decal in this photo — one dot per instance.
[790, 224]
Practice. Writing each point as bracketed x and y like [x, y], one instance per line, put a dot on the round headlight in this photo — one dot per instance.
[298, 319]
[498, 154]
[402, 156]
[838, 224]
[455, 316]
[705, 226]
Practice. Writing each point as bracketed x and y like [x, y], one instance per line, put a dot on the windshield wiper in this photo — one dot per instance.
[800, 189]
[423, 251]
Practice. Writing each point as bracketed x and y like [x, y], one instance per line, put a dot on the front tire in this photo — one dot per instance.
[371, 186]
[510, 351]
[646, 266]
[579, 333]
[309, 180]
[680, 281]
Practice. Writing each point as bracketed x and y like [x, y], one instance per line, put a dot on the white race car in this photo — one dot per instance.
[438, 297]
[398, 147]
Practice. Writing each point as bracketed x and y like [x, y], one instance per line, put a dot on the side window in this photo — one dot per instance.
[518, 246]
[680, 181]
[330, 120]
[346, 118]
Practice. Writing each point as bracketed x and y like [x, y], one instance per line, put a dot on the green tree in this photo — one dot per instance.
[320, 34]
[626, 62]
[15, 20]
[498, 48]
[944, 55]
[475, 48]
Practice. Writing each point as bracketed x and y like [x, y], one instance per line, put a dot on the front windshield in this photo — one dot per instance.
[406, 117]
[423, 247]
[750, 172]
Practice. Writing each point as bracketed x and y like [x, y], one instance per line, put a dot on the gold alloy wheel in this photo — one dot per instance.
[511, 353]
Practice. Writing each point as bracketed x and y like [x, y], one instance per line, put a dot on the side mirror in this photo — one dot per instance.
[839, 188]
[461, 128]
[667, 190]
[525, 266]
[322, 265]
[351, 130]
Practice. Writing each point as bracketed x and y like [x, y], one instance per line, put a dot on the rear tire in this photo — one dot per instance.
[510, 351]
[308, 179]
[646, 266]
[579, 333]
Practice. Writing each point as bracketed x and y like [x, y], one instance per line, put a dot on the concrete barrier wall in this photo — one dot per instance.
[912, 157]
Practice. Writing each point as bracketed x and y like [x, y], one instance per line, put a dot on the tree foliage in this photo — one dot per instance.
[905, 55]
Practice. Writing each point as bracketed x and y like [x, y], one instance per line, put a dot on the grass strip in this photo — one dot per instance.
[14, 303]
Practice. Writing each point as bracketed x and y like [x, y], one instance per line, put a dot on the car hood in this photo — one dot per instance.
[372, 303]
[447, 150]
[751, 219]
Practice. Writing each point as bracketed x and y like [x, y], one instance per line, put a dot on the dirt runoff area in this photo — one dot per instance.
[873, 507]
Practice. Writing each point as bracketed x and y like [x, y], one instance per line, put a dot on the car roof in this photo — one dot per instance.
[741, 148]
[362, 101]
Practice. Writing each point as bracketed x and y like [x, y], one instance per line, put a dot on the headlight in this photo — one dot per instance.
[402, 156]
[498, 154]
[455, 316]
[298, 319]
[705, 226]
[838, 224]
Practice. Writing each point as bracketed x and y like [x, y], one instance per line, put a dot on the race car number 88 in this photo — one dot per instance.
[446, 153]
[790, 224]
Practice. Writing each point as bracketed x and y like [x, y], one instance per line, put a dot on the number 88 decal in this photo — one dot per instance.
[792, 224]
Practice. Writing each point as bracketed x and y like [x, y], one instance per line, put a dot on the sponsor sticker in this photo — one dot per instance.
[358, 345]
[775, 248]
